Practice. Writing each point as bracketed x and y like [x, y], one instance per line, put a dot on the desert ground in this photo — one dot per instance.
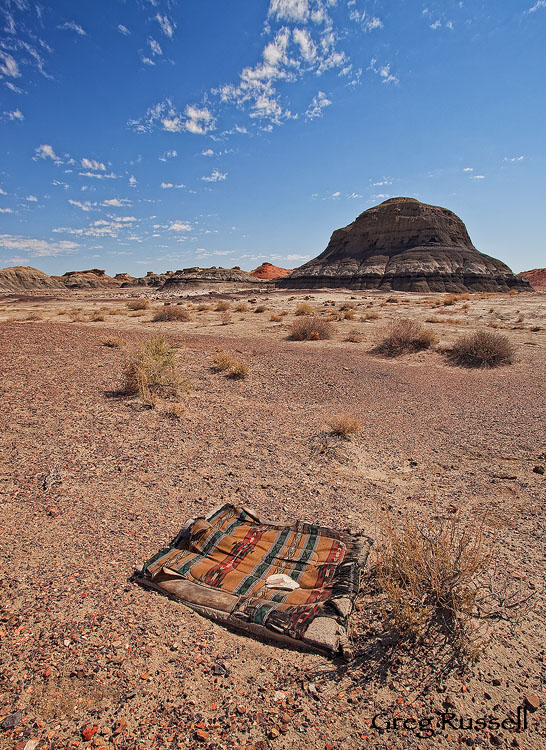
[92, 483]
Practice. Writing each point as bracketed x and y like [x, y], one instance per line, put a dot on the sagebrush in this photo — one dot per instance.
[482, 349]
[404, 335]
[311, 328]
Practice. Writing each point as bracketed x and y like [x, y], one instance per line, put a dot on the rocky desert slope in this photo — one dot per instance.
[403, 244]
[536, 277]
[93, 482]
[269, 271]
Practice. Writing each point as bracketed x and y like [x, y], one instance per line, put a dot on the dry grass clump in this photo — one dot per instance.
[225, 318]
[113, 342]
[260, 308]
[97, 317]
[176, 410]
[344, 425]
[451, 299]
[304, 309]
[404, 335]
[241, 307]
[276, 318]
[482, 349]
[354, 336]
[222, 305]
[202, 307]
[34, 316]
[311, 329]
[171, 313]
[431, 574]
[392, 300]
[349, 315]
[150, 372]
[138, 304]
[226, 363]
[369, 316]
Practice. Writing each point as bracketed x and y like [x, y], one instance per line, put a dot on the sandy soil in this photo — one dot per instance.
[92, 484]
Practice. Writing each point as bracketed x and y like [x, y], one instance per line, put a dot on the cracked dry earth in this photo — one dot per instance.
[92, 484]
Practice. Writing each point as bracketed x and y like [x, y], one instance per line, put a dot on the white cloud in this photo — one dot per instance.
[478, 177]
[60, 184]
[514, 158]
[99, 175]
[132, 181]
[163, 114]
[147, 61]
[2, 192]
[383, 71]
[123, 29]
[86, 206]
[468, 169]
[155, 47]
[72, 26]
[36, 247]
[539, 4]
[116, 202]
[179, 226]
[45, 151]
[8, 65]
[207, 152]
[289, 10]
[98, 166]
[31, 199]
[380, 183]
[166, 185]
[368, 23]
[168, 155]
[320, 101]
[215, 176]
[16, 114]
[167, 26]
[6, 210]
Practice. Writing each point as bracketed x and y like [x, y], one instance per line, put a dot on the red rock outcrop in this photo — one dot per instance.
[269, 271]
[536, 277]
[405, 245]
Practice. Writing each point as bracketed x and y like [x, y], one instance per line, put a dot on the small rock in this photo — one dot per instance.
[12, 720]
[532, 701]
[496, 682]
[89, 731]
[539, 469]
[201, 735]
[273, 733]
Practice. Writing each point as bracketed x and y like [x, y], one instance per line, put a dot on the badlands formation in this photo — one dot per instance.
[403, 244]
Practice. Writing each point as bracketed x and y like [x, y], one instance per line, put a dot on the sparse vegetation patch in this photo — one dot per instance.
[404, 335]
[482, 349]
[311, 329]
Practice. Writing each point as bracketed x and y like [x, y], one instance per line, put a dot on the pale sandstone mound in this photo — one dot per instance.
[151, 279]
[26, 278]
[94, 278]
[406, 245]
[194, 278]
[536, 277]
[269, 271]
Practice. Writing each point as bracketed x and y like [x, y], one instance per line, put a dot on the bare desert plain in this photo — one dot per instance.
[93, 482]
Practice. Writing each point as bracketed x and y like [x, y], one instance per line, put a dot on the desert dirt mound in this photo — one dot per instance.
[94, 278]
[536, 277]
[23, 278]
[269, 271]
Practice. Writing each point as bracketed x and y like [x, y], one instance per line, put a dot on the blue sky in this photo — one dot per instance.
[159, 134]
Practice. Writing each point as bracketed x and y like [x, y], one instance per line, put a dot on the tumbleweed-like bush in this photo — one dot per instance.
[482, 349]
[404, 335]
[311, 329]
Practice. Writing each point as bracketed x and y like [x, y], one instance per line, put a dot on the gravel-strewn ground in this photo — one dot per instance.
[81, 648]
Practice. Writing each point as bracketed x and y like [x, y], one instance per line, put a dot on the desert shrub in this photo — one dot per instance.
[241, 307]
[349, 315]
[35, 316]
[284, 312]
[202, 307]
[260, 309]
[369, 316]
[346, 306]
[238, 371]
[222, 361]
[305, 309]
[170, 313]
[222, 305]
[404, 335]
[354, 336]
[150, 372]
[344, 425]
[225, 318]
[113, 342]
[176, 410]
[226, 363]
[97, 317]
[276, 318]
[138, 304]
[311, 329]
[482, 349]
[392, 300]
[432, 575]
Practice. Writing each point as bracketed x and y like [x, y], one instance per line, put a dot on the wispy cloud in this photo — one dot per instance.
[8, 65]
[514, 159]
[85, 206]
[123, 29]
[319, 103]
[167, 26]
[6, 210]
[215, 176]
[198, 120]
[155, 46]
[477, 177]
[383, 71]
[72, 26]
[31, 199]
[99, 175]
[537, 6]
[93, 164]
[367, 22]
[16, 114]
[179, 226]
[36, 247]
[168, 155]
[117, 202]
